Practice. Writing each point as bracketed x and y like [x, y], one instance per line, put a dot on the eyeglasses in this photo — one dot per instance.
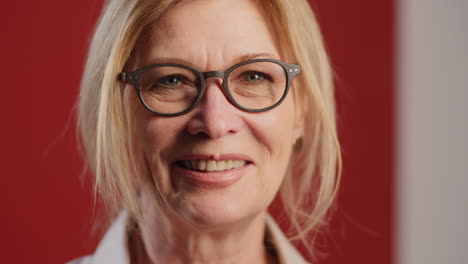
[170, 89]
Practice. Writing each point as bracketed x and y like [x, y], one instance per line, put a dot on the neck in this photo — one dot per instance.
[171, 241]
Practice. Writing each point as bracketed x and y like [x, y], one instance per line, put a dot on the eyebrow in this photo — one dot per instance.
[239, 59]
[251, 56]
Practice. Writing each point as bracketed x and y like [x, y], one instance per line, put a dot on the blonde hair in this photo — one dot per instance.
[309, 189]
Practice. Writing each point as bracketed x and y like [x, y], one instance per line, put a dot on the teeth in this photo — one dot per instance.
[201, 165]
[213, 165]
[221, 165]
[238, 163]
[229, 164]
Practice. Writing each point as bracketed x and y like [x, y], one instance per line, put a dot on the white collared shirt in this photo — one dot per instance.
[113, 247]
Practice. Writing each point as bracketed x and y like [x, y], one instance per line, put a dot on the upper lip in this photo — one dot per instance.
[226, 156]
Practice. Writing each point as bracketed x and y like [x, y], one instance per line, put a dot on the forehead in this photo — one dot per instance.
[210, 33]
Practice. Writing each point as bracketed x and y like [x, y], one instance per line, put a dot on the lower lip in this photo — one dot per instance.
[212, 179]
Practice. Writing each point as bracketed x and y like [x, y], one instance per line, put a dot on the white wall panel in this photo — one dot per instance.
[432, 136]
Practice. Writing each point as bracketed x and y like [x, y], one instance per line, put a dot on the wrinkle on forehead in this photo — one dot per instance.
[218, 38]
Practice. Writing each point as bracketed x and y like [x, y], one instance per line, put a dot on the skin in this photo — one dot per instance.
[211, 225]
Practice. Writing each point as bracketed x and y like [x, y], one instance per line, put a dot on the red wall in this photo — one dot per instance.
[46, 210]
[47, 207]
[360, 40]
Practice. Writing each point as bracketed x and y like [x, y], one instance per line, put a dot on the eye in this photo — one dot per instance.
[253, 76]
[171, 80]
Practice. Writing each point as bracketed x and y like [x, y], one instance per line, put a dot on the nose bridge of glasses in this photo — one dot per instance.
[213, 74]
[216, 74]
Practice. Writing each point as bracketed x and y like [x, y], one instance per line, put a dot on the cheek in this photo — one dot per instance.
[159, 137]
[274, 130]
[159, 133]
[152, 137]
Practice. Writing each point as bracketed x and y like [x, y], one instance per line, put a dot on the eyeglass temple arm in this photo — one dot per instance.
[123, 77]
[127, 77]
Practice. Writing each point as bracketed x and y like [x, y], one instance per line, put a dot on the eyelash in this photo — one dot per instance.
[261, 74]
[160, 81]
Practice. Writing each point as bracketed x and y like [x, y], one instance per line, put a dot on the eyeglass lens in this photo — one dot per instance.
[169, 89]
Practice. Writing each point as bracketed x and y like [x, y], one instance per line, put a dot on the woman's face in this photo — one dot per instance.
[214, 35]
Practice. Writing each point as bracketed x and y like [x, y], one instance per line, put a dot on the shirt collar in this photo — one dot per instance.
[286, 252]
[113, 247]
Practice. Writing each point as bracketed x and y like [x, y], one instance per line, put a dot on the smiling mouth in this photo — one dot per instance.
[211, 165]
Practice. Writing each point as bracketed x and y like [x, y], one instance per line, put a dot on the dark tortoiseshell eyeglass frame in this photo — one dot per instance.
[134, 78]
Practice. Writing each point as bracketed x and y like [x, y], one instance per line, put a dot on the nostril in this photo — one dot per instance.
[214, 116]
[202, 135]
[212, 122]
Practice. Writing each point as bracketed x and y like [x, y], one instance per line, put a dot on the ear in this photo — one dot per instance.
[300, 110]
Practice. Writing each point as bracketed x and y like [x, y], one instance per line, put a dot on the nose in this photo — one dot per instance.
[214, 117]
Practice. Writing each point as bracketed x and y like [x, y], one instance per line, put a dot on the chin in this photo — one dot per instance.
[212, 210]
[215, 199]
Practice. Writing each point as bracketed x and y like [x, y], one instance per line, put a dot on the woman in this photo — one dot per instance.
[194, 115]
